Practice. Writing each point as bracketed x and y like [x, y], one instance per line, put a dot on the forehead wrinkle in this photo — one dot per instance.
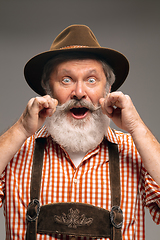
[88, 71]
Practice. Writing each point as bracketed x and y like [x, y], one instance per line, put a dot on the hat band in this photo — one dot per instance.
[74, 46]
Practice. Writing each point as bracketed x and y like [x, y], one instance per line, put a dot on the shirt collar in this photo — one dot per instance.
[42, 133]
[111, 136]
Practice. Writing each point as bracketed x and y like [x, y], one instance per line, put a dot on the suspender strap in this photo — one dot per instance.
[116, 212]
[34, 206]
[115, 219]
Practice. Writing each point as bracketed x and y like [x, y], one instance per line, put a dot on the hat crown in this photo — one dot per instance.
[75, 36]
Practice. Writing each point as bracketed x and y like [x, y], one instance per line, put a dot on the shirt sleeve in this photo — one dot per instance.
[148, 188]
[2, 187]
[151, 196]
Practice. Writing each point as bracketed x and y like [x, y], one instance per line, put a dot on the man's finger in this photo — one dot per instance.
[106, 109]
[43, 104]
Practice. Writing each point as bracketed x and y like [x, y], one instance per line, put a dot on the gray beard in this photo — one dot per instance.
[78, 135]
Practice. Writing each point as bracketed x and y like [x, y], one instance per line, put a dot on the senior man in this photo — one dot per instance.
[82, 167]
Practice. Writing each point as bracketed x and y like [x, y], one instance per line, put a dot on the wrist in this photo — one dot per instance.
[139, 131]
[20, 130]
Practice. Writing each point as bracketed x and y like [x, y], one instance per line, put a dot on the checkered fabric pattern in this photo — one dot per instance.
[88, 183]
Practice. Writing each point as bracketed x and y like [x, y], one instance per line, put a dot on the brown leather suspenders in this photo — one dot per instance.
[74, 219]
[34, 206]
[116, 213]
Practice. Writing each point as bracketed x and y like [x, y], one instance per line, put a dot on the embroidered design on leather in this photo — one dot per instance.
[73, 219]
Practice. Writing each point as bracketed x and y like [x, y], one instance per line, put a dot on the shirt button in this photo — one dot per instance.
[75, 181]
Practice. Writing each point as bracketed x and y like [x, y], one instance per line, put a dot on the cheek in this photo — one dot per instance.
[96, 95]
[62, 95]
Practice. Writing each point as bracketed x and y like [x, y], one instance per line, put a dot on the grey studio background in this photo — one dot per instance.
[132, 27]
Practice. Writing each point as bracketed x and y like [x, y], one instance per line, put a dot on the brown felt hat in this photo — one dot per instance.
[75, 38]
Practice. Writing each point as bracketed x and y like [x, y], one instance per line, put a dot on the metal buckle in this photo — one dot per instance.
[28, 217]
[112, 216]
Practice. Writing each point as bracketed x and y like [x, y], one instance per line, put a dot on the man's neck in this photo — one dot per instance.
[76, 157]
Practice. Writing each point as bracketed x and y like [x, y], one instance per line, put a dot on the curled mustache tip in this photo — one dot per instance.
[97, 108]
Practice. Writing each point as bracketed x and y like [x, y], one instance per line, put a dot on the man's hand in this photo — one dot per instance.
[121, 110]
[35, 113]
[30, 121]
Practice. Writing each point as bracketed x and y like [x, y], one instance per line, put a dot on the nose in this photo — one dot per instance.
[79, 90]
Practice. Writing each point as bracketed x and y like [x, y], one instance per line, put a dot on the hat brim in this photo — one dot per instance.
[34, 67]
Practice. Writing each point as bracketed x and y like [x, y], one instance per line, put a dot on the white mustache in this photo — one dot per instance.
[74, 102]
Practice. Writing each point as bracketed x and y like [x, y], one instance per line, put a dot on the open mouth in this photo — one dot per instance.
[79, 112]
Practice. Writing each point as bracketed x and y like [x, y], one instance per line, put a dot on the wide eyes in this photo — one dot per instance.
[91, 80]
[68, 80]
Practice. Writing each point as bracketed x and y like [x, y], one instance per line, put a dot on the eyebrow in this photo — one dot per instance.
[65, 71]
[93, 71]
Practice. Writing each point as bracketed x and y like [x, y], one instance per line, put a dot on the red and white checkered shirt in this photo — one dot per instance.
[88, 183]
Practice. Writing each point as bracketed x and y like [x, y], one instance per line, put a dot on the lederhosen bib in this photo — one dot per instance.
[74, 219]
